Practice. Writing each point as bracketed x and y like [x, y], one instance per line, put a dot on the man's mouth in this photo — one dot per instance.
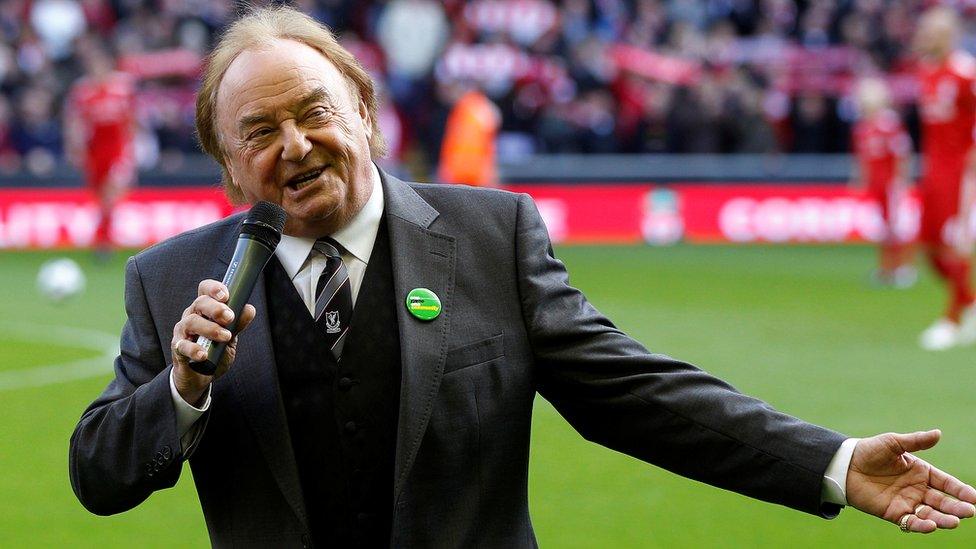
[305, 179]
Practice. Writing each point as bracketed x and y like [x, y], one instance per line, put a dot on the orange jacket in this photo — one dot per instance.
[468, 149]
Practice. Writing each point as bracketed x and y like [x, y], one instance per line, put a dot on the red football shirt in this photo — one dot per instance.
[106, 110]
[880, 142]
[948, 109]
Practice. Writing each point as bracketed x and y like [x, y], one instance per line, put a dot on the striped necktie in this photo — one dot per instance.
[333, 297]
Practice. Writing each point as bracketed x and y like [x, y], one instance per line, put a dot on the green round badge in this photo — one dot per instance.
[423, 304]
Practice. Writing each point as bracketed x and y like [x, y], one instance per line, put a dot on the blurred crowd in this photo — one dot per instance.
[571, 76]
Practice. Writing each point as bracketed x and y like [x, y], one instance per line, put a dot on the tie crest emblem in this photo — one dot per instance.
[332, 322]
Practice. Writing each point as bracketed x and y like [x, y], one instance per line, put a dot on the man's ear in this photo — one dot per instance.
[231, 189]
[366, 118]
[229, 175]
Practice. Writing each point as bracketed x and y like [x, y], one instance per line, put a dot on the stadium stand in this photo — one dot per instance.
[575, 76]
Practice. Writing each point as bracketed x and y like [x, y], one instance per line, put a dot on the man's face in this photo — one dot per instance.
[936, 36]
[292, 133]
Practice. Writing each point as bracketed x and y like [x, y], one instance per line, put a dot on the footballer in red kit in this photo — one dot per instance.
[947, 105]
[100, 124]
[883, 149]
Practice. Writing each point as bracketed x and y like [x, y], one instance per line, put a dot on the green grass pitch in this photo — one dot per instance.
[796, 326]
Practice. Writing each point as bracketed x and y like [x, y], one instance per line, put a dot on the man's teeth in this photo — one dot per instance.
[306, 180]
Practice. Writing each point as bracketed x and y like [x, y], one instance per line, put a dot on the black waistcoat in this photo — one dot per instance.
[342, 417]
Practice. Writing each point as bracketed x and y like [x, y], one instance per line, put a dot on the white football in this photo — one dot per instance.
[60, 279]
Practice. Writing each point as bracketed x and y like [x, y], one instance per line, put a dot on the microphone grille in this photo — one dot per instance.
[269, 214]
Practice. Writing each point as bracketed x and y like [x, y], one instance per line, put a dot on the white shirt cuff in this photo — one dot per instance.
[186, 414]
[835, 478]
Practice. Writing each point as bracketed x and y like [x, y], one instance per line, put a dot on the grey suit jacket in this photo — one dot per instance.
[511, 326]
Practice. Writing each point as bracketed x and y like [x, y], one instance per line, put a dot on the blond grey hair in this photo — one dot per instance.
[257, 28]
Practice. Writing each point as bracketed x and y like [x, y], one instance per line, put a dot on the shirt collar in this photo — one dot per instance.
[292, 252]
[357, 237]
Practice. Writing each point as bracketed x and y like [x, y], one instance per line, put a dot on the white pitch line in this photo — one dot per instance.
[47, 333]
[40, 376]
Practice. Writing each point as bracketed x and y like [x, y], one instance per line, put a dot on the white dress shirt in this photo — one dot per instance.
[357, 238]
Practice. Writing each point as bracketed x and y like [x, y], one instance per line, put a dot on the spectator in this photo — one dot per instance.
[9, 159]
[36, 133]
[468, 148]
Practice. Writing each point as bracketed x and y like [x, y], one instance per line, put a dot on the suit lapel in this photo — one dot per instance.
[255, 379]
[421, 259]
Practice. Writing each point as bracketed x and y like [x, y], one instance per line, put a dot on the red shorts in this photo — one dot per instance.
[940, 206]
[104, 170]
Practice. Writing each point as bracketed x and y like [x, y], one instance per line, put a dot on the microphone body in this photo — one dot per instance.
[259, 237]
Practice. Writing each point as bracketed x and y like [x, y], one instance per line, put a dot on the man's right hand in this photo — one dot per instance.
[208, 316]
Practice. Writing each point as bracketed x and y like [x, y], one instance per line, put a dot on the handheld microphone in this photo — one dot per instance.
[259, 237]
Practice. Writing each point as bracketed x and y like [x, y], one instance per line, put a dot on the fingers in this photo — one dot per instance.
[230, 352]
[214, 289]
[189, 349]
[919, 440]
[208, 317]
[946, 504]
[247, 315]
[212, 309]
[966, 492]
[954, 487]
[197, 325]
[920, 525]
[940, 519]
[210, 302]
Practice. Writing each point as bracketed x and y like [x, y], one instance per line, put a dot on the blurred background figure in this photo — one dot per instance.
[882, 172]
[947, 104]
[99, 134]
[468, 149]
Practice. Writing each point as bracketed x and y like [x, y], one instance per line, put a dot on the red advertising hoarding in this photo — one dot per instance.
[657, 214]
[663, 214]
[62, 218]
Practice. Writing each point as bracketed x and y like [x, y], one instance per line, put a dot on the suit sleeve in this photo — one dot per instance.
[126, 444]
[653, 407]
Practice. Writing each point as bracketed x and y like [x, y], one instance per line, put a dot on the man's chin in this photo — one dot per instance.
[311, 223]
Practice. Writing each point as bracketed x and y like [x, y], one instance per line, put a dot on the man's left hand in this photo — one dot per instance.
[887, 481]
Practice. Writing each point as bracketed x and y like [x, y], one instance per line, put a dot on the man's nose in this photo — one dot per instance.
[296, 143]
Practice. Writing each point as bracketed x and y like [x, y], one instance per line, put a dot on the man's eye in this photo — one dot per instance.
[261, 132]
[317, 112]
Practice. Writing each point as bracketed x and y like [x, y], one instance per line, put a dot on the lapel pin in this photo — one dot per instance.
[423, 304]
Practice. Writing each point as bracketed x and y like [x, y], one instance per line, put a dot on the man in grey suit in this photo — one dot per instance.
[386, 427]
